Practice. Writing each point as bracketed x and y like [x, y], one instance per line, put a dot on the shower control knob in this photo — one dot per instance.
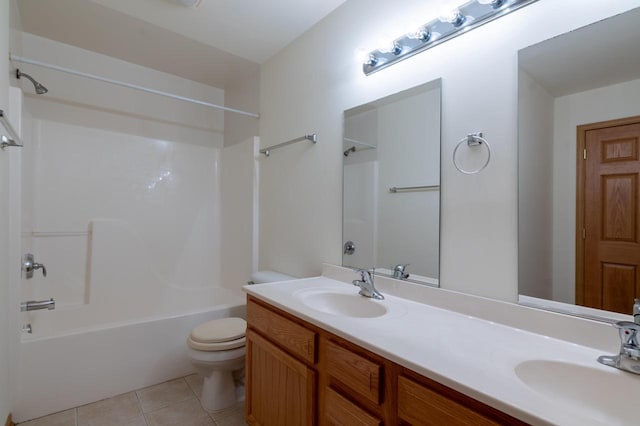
[29, 265]
[349, 247]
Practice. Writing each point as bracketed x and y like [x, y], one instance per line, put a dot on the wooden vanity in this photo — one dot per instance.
[300, 374]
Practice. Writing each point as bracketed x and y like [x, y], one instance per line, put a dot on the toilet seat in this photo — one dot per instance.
[218, 335]
[214, 347]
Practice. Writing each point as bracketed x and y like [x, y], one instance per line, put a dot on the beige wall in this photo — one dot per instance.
[307, 86]
[243, 94]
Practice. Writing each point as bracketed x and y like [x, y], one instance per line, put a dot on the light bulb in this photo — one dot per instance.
[453, 17]
[391, 47]
[422, 33]
[361, 54]
[494, 3]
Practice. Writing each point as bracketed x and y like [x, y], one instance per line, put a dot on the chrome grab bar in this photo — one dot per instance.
[395, 189]
[36, 305]
[312, 137]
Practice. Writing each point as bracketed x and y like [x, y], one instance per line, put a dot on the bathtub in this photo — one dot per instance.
[62, 365]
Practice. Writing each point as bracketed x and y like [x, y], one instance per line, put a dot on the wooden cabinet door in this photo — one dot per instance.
[339, 411]
[420, 405]
[281, 390]
[611, 205]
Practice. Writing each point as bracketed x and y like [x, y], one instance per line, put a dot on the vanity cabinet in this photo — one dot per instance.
[283, 389]
[300, 374]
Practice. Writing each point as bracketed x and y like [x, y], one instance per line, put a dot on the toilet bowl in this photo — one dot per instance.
[217, 349]
[217, 352]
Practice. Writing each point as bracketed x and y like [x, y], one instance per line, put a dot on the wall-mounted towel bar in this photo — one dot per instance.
[11, 138]
[395, 189]
[312, 137]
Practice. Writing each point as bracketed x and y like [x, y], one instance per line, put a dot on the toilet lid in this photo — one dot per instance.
[219, 330]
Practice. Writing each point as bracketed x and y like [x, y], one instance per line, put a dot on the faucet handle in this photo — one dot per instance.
[365, 275]
[628, 332]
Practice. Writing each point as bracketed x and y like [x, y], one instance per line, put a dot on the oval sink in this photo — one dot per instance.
[603, 395]
[343, 304]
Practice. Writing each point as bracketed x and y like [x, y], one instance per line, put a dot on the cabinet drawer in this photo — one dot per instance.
[358, 373]
[420, 405]
[295, 338]
[339, 411]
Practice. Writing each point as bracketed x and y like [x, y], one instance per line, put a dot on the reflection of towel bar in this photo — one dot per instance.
[395, 189]
[47, 234]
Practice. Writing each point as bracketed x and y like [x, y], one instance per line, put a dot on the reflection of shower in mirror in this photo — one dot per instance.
[394, 142]
[349, 150]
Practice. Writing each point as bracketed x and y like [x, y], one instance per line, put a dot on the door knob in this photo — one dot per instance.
[29, 265]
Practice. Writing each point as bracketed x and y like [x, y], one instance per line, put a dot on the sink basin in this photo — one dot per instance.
[343, 304]
[604, 395]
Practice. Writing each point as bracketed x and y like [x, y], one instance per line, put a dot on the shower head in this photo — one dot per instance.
[40, 89]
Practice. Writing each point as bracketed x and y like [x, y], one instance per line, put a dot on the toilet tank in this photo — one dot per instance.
[260, 277]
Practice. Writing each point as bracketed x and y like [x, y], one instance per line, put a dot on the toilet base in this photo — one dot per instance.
[216, 394]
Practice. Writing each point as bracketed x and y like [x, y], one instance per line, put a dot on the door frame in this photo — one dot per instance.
[581, 177]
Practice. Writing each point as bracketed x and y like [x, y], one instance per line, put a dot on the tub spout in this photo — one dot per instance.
[35, 305]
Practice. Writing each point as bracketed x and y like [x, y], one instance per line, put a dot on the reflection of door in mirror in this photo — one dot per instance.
[563, 84]
[607, 235]
[391, 203]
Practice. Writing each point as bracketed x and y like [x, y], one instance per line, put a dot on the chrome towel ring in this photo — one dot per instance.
[472, 139]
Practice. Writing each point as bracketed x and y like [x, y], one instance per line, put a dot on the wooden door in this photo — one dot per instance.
[611, 197]
[281, 390]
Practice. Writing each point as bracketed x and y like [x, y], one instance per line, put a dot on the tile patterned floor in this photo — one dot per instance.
[173, 403]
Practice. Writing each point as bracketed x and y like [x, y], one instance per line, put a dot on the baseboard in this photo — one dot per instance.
[9, 421]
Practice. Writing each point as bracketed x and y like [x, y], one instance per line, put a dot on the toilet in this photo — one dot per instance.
[217, 351]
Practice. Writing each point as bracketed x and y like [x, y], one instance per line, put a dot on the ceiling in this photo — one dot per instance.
[212, 43]
[598, 55]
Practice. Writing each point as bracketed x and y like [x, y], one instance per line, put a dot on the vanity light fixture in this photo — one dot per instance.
[451, 24]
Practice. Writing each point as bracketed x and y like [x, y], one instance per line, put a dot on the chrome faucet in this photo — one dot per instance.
[629, 357]
[367, 289]
[34, 305]
[400, 271]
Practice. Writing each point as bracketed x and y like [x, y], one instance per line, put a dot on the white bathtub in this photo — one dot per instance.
[62, 365]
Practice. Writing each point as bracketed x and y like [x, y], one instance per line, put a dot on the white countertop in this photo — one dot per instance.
[474, 356]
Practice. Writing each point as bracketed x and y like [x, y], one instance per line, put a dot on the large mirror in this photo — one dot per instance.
[579, 169]
[391, 207]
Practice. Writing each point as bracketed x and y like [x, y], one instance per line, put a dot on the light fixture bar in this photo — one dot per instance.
[466, 17]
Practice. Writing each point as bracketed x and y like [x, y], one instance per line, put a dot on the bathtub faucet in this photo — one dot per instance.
[36, 305]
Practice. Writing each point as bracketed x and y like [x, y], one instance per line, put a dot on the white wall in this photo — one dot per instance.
[238, 181]
[606, 103]
[6, 262]
[409, 155]
[535, 181]
[307, 85]
[81, 101]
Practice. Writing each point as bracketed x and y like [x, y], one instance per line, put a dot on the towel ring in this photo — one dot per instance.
[472, 139]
